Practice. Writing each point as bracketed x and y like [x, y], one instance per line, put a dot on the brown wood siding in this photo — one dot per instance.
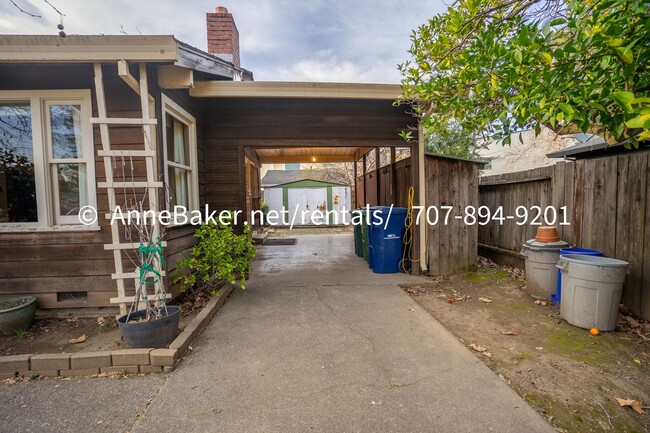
[270, 122]
[233, 125]
[181, 239]
[46, 263]
[224, 165]
[607, 205]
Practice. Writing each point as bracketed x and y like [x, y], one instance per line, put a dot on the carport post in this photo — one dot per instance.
[422, 186]
[354, 202]
[378, 184]
[393, 180]
[365, 191]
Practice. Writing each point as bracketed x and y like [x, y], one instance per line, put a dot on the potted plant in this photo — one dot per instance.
[17, 314]
[150, 322]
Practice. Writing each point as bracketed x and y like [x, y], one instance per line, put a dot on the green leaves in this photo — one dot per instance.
[624, 100]
[518, 56]
[642, 121]
[546, 57]
[625, 54]
[491, 67]
[220, 255]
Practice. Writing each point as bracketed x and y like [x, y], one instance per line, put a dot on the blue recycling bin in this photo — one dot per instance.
[385, 239]
[556, 298]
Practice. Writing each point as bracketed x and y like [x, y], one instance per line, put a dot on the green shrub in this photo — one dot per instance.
[219, 255]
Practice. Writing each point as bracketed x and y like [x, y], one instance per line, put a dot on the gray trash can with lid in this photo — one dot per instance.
[541, 274]
[591, 290]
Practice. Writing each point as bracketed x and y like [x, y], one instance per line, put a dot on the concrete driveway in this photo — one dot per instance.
[317, 342]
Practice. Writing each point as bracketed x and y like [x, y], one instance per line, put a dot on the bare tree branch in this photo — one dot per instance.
[53, 7]
[24, 11]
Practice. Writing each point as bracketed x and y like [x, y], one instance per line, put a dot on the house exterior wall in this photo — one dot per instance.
[51, 262]
[53, 265]
[180, 239]
[525, 154]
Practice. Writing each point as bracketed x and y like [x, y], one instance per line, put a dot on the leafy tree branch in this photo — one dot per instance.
[498, 66]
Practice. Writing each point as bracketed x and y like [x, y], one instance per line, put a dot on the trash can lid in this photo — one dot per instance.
[387, 209]
[595, 261]
[583, 251]
[534, 245]
[399, 210]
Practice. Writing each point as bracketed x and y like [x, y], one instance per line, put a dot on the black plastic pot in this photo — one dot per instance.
[17, 318]
[153, 333]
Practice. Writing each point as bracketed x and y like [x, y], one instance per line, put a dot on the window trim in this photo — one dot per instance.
[45, 190]
[172, 108]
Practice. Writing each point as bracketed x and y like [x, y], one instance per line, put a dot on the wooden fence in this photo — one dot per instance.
[453, 182]
[606, 203]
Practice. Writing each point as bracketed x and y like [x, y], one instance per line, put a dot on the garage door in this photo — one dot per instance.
[308, 200]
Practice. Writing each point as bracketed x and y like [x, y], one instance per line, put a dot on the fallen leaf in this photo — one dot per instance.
[634, 404]
[486, 300]
[543, 303]
[508, 333]
[537, 302]
[488, 354]
[100, 321]
[477, 348]
[632, 321]
[638, 361]
[450, 300]
[80, 339]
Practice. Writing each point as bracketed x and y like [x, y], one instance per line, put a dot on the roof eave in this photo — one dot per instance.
[87, 48]
[284, 89]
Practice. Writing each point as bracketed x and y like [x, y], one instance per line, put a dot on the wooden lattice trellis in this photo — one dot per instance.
[151, 186]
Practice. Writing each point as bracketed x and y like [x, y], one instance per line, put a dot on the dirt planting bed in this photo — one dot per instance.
[571, 377]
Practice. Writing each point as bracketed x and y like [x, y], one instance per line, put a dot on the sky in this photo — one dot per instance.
[281, 40]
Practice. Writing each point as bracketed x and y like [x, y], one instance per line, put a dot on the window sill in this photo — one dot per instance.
[26, 228]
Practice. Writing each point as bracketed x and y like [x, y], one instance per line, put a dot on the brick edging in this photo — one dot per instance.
[131, 361]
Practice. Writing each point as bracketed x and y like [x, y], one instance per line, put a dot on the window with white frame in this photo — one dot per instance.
[179, 138]
[46, 158]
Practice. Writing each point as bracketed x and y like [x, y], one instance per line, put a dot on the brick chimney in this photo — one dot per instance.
[223, 36]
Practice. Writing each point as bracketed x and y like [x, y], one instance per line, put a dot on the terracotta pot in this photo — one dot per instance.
[547, 234]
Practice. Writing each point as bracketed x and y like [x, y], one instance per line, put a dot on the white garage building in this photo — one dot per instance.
[313, 202]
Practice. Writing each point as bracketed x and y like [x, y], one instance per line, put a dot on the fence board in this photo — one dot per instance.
[644, 288]
[433, 176]
[443, 193]
[569, 185]
[634, 191]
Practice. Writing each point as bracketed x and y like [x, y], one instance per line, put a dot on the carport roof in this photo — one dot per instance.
[282, 89]
[305, 122]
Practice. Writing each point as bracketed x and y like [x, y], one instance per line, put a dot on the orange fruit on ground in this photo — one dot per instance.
[594, 331]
